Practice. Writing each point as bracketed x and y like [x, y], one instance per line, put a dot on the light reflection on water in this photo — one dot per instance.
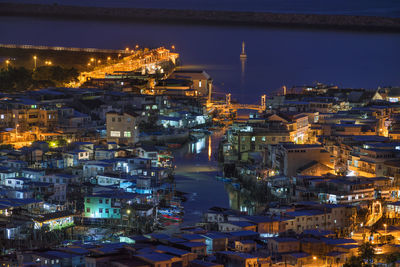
[195, 174]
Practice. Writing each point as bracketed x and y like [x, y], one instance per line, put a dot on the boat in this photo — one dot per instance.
[197, 134]
[219, 178]
[236, 185]
[170, 211]
[174, 145]
[226, 180]
[171, 217]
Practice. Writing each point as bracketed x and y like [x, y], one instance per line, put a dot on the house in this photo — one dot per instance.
[102, 206]
[238, 259]
[236, 226]
[54, 220]
[280, 245]
[186, 256]
[201, 81]
[215, 241]
[122, 127]
[156, 259]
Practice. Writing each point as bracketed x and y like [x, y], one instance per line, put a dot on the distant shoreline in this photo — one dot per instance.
[258, 19]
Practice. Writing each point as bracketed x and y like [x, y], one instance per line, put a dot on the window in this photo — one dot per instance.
[106, 210]
[115, 210]
[107, 200]
[101, 201]
[115, 133]
[127, 134]
[199, 83]
[119, 119]
[2, 116]
[263, 138]
[100, 210]
[113, 119]
[87, 209]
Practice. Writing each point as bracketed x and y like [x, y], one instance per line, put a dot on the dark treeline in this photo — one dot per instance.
[20, 79]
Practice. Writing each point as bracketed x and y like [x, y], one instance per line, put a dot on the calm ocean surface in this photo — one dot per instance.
[346, 7]
[275, 56]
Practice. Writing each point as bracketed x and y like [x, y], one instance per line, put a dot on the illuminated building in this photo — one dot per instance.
[102, 207]
[122, 127]
[201, 81]
[55, 220]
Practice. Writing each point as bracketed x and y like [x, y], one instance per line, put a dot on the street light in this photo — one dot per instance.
[173, 47]
[7, 63]
[92, 59]
[35, 58]
[108, 58]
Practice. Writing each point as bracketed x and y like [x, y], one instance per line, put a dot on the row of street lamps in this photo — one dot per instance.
[35, 58]
[46, 62]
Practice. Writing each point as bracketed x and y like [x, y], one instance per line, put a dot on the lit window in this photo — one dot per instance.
[49, 117]
[2, 116]
[263, 138]
[127, 134]
[199, 83]
[115, 133]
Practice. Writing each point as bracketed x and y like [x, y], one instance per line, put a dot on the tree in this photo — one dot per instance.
[367, 252]
[353, 261]
[15, 79]
[391, 258]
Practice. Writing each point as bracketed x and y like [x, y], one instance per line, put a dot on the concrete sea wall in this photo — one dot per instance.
[343, 22]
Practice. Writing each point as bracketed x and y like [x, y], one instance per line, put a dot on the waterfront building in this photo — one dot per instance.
[290, 159]
[201, 81]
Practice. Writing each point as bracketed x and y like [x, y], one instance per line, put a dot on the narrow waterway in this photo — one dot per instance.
[196, 168]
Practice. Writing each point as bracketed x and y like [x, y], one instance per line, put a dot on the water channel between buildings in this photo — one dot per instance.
[196, 168]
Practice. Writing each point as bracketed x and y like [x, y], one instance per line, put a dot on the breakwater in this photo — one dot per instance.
[68, 49]
[344, 22]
